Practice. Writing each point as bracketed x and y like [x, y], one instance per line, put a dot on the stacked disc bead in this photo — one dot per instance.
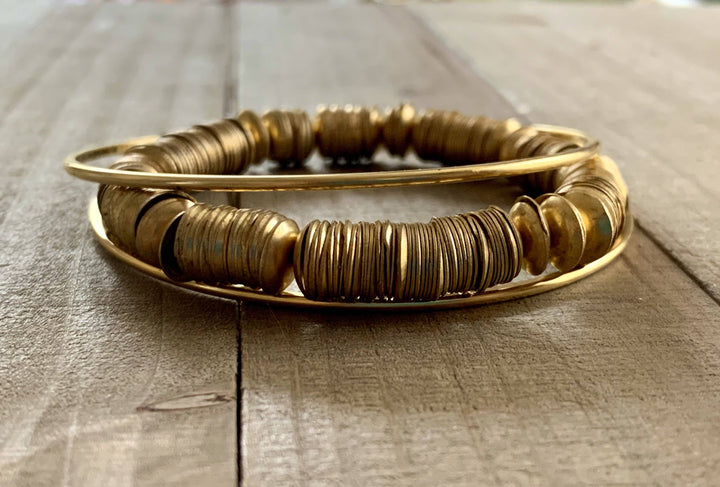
[336, 261]
[575, 220]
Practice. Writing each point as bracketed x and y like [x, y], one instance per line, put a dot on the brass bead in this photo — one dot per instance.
[397, 129]
[349, 132]
[131, 162]
[186, 159]
[135, 162]
[599, 225]
[292, 138]
[156, 156]
[222, 244]
[257, 133]
[534, 232]
[303, 135]
[567, 231]
[511, 146]
[365, 261]
[280, 129]
[457, 142]
[207, 148]
[497, 135]
[121, 209]
[276, 271]
[154, 224]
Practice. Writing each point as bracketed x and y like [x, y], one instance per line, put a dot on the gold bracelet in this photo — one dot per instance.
[145, 216]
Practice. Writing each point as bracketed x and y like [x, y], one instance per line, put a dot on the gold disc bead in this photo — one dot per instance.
[134, 162]
[513, 242]
[280, 129]
[421, 133]
[217, 162]
[183, 154]
[372, 122]
[482, 252]
[256, 133]
[500, 131]
[597, 220]
[601, 166]
[545, 145]
[534, 233]
[480, 128]
[276, 271]
[203, 149]
[529, 149]
[567, 231]
[511, 146]
[121, 209]
[238, 153]
[323, 127]
[397, 129]
[457, 141]
[437, 133]
[155, 223]
[292, 139]
[222, 244]
[304, 135]
[348, 133]
[155, 156]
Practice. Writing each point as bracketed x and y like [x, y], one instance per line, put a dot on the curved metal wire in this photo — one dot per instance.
[76, 165]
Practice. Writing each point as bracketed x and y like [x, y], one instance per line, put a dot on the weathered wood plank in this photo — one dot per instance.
[108, 378]
[18, 18]
[580, 386]
[609, 381]
[641, 78]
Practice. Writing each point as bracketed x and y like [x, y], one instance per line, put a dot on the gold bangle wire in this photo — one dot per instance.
[76, 165]
[504, 292]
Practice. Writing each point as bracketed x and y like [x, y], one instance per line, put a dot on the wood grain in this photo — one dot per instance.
[609, 381]
[640, 78]
[108, 378]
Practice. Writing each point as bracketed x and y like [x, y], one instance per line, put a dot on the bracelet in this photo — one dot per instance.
[144, 213]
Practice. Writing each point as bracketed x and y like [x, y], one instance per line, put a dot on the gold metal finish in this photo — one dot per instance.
[155, 223]
[348, 262]
[222, 244]
[350, 132]
[122, 208]
[506, 292]
[597, 221]
[291, 136]
[397, 129]
[76, 165]
[534, 232]
[577, 222]
[567, 231]
[257, 135]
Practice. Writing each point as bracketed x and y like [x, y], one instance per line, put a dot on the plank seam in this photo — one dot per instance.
[230, 106]
[679, 263]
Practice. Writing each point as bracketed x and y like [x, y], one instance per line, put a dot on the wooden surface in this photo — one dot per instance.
[106, 378]
[110, 378]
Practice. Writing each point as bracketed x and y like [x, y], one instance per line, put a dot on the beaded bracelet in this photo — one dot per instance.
[145, 215]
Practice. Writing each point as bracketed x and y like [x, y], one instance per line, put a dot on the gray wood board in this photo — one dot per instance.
[107, 377]
[609, 381]
[642, 78]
